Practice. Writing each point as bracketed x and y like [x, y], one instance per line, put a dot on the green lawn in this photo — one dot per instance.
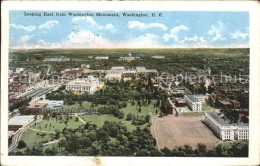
[206, 107]
[188, 114]
[99, 121]
[145, 110]
[57, 124]
[31, 138]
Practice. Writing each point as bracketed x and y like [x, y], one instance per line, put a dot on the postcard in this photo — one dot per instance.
[143, 83]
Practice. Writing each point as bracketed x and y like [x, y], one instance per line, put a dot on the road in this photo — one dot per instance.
[17, 136]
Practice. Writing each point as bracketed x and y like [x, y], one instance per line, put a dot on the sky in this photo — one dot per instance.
[174, 29]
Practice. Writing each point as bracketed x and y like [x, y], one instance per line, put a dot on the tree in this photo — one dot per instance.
[57, 134]
[129, 117]
[21, 144]
[147, 118]
[76, 119]
[140, 109]
[158, 103]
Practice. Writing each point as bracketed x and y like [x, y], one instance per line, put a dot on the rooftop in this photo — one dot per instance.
[37, 92]
[83, 82]
[222, 122]
[192, 98]
[20, 120]
[118, 68]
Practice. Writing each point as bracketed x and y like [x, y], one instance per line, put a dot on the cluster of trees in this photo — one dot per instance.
[17, 105]
[112, 110]
[138, 120]
[113, 139]
[236, 150]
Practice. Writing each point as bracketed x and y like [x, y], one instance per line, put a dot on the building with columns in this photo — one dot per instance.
[224, 130]
[88, 85]
[193, 103]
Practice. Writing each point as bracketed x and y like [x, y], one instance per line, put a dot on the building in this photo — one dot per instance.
[128, 58]
[193, 103]
[102, 57]
[19, 70]
[88, 85]
[53, 59]
[180, 102]
[144, 70]
[17, 122]
[37, 106]
[37, 94]
[224, 130]
[113, 76]
[158, 57]
[202, 98]
[52, 103]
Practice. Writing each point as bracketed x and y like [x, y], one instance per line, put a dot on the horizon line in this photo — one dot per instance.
[130, 48]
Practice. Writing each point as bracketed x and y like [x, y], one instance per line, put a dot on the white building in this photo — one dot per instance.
[193, 103]
[224, 130]
[158, 57]
[88, 85]
[52, 103]
[19, 70]
[102, 57]
[113, 76]
[202, 98]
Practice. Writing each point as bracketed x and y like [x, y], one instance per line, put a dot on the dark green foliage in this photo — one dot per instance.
[21, 144]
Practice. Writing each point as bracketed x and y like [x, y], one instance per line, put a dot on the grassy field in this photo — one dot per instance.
[145, 110]
[99, 121]
[31, 138]
[42, 133]
[206, 107]
[189, 114]
[46, 127]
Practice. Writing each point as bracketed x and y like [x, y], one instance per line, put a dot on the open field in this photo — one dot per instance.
[171, 131]
[145, 110]
[99, 121]
[41, 132]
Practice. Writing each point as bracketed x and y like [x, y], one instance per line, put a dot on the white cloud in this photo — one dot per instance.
[87, 19]
[202, 40]
[91, 21]
[26, 38]
[87, 39]
[216, 31]
[140, 25]
[28, 28]
[145, 41]
[48, 24]
[174, 33]
[239, 35]
[195, 38]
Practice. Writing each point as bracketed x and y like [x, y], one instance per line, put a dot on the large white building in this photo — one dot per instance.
[88, 85]
[225, 130]
[52, 103]
[102, 57]
[193, 103]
